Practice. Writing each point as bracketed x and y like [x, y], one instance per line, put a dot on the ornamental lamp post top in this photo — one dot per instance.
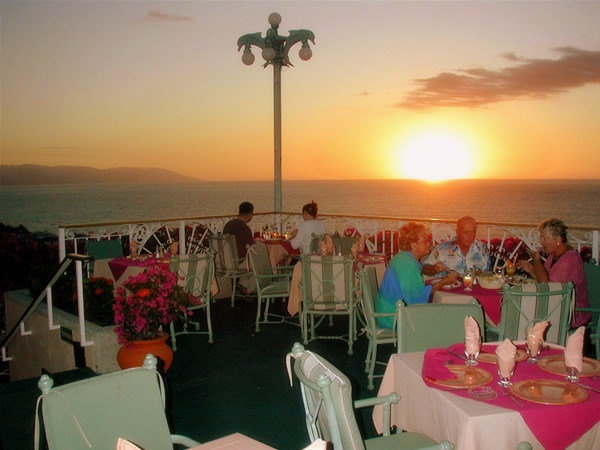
[275, 48]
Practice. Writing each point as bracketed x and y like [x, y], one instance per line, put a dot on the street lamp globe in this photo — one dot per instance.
[274, 19]
[305, 52]
[247, 57]
[269, 54]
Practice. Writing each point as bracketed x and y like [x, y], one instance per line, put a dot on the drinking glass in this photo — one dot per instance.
[534, 345]
[468, 280]
[572, 375]
[505, 377]
[511, 269]
[499, 271]
[474, 353]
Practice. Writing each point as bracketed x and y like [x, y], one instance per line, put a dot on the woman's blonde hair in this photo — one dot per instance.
[409, 233]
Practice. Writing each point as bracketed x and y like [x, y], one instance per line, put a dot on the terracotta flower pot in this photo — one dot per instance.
[133, 355]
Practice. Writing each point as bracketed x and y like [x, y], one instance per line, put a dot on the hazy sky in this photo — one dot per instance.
[395, 89]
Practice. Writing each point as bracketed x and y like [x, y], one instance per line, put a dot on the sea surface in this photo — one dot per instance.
[43, 208]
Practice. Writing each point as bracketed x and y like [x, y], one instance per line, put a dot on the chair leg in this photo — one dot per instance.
[372, 364]
[173, 337]
[258, 304]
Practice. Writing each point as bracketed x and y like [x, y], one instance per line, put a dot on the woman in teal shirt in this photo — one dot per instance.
[402, 279]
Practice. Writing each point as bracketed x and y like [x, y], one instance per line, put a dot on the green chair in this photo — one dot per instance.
[103, 251]
[375, 334]
[525, 304]
[430, 325]
[343, 244]
[95, 412]
[270, 284]
[327, 291]
[227, 262]
[195, 274]
[592, 281]
[329, 409]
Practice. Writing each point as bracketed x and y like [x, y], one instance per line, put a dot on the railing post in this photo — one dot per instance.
[596, 247]
[51, 325]
[80, 303]
[62, 247]
[182, 250]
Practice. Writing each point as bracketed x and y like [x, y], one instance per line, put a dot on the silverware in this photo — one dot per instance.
[508, 394]
[589, 388]
[463, 357]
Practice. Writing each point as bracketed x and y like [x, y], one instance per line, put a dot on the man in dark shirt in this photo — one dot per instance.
[240, 229]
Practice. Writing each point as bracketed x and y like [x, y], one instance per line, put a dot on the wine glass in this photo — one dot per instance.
[468, 280]
[499, 271]
[534, 345]
[511, 269]
[572, 374]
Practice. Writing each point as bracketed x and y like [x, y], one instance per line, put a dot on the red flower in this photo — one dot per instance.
[98, 291]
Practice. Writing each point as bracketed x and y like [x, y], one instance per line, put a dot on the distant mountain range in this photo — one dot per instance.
[34, 174]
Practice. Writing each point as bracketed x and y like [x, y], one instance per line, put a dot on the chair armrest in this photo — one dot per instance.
[182, 440]
[386, 401]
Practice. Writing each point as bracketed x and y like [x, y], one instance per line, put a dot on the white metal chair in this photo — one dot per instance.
[428, 325]
[525, 304]
[329, 409]
[95, 412]
[227, 262]
[271, 283]
[592, 278]
[195, 275]
[327, 291]
[375, 334]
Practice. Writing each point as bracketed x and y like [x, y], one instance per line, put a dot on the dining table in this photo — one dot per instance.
[363, 259]
[540, 407]
[235, 441]
[489, 299]
[280, 250]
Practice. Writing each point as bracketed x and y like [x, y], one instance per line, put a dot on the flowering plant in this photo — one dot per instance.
[148, 300]
[99, 300]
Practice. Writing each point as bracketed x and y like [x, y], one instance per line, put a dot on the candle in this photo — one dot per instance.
[499, 250]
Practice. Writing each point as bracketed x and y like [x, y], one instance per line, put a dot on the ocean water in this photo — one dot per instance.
[44, 208]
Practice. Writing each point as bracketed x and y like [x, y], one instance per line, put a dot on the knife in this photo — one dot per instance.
[589, 388]
[463, 357]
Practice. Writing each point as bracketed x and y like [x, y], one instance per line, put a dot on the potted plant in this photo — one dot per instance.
[143, 304]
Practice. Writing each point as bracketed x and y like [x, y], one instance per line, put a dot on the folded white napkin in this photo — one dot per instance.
[507, 358]
[574, 349]
[472, 336]
[319, 444]
[535, 336]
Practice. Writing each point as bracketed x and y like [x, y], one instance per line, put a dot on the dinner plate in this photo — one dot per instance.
[467, 377]
[492, 358]
[549, 392]
[556, 364]
[454, 285]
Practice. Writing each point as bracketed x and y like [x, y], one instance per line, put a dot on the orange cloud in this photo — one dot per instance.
[156, 16]
[532, 78]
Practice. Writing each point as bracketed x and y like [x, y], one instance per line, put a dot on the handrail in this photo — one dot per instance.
[20, 325]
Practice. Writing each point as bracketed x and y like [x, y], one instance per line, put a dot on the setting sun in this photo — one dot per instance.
[435, 156]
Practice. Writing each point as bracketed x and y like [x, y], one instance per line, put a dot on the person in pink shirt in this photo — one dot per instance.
[563, 263]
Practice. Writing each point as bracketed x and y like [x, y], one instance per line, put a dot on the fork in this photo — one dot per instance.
[508, 394]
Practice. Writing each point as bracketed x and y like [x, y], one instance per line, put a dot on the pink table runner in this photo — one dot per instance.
[555, 426]
[120, 264]
[490, 300]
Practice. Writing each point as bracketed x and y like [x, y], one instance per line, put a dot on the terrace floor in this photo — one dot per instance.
[237, 384]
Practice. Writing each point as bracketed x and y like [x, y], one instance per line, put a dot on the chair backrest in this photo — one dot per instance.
[327, 398]
[95, 412]
[592, 280]
[224, 247]
[259, 259]
[195, 273]
[525, 304]
[344, 244]
[429, 325]
[368, 291]
[327, 282]
[104, 249]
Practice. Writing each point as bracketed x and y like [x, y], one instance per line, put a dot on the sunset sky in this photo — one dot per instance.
[395, 89]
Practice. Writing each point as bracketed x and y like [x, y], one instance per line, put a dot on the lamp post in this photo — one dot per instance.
[275, 50]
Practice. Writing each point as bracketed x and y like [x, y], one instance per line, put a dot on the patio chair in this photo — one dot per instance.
[375, 334]
[343, 244]
[592, 279]
[329, 409]
[327, 291]
[429, 325]
[270, 284]
[195, 275]
[95, 412]
[227, 262]
[525, 304]
[103, 251]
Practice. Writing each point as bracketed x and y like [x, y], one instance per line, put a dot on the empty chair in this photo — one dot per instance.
[422, 326]
[329, 409]
[526, 304]
[195, 275]
[375, 334]
[592, 279]
[95, 412]
[270, 284]
[327, 290]
[227, 262]
[103, 251]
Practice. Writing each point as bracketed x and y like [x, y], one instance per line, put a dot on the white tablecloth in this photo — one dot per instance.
[467, 423]
[236, 441]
